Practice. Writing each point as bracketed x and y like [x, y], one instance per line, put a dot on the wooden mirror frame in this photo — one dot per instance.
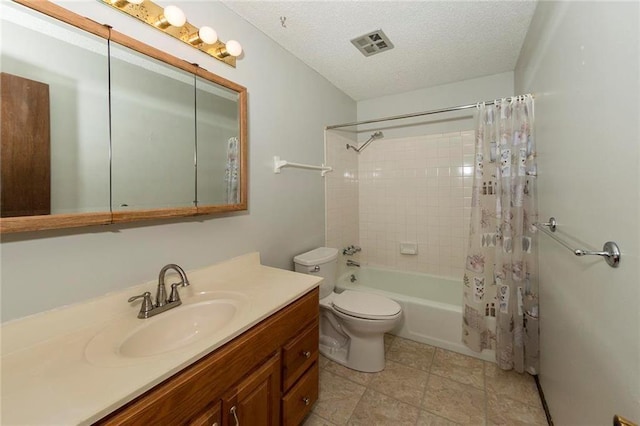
[60, 221]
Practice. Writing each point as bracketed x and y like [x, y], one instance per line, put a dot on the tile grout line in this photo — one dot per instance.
[331, 372]
[486, 404]
[437, 375]
[426, 384]
[356, 406]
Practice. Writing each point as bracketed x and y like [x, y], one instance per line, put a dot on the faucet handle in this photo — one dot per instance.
[175, 296]
[147, 304]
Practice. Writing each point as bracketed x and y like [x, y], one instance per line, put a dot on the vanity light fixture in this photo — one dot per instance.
[172, 15]
[172, 20]
[204, 35]
[232, 48]
[122, 3]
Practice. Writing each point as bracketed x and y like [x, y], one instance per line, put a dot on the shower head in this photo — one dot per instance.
[374, 136]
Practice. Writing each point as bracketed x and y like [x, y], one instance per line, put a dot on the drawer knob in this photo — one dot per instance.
[306, 400]
[306, 354]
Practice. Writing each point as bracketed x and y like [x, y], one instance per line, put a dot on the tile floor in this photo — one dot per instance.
[425, 385]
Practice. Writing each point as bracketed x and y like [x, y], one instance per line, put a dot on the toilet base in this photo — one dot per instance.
[357, 343]
[366, 355]
[338, 355]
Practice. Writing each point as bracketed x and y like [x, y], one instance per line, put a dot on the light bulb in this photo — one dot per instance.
[208, 35]
[233, 48]
[172, 15]
[175, 16]
[135, 1]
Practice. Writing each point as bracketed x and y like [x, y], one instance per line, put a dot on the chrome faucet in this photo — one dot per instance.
[352, 263]
[351, 250]
[148, 308]
[162, 293]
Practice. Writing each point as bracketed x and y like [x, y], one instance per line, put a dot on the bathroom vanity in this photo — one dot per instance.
[258, 367]
[245, 378]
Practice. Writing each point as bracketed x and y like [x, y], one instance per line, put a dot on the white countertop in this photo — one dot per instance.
[48, 379]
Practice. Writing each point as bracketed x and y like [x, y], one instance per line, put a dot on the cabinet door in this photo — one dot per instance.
[255, 401]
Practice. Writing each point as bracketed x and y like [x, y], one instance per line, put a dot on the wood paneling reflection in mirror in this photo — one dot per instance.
[26, 171]
[88, 186]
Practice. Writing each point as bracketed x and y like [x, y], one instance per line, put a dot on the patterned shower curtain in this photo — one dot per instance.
[501, 273]
[231, 172]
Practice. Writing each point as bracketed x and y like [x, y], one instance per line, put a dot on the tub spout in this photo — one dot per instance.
[352, 263]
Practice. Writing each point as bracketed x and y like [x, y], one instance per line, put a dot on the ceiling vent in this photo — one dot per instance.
[372, 43]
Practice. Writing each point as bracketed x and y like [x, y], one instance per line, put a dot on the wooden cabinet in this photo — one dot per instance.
[297, 403]
[266, 376]
[256, 400]
[300, 375]
[299, 354]
[211, 416]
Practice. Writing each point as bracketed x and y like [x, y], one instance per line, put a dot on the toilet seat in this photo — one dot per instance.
[365, 305]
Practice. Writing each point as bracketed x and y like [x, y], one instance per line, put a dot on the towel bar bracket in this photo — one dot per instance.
[552, 224]
[610, 252]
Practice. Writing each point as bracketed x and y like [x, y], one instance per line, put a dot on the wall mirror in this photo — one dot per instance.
[152, 133]
[99, 128]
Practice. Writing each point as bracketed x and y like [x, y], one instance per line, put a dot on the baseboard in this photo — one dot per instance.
[544, 401]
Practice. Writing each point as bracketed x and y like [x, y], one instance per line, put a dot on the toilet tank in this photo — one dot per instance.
[322, 261]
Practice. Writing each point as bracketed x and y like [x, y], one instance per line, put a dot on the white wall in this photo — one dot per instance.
[342, 186]
[289, 105]
[443, 96]
[581, 60]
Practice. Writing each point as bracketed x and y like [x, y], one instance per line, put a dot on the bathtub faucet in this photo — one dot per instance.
[351, 250]
[352, 263]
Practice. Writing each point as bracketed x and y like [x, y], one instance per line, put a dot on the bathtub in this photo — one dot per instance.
[431, 306]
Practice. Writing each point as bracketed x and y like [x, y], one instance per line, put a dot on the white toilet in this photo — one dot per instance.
[352, 323]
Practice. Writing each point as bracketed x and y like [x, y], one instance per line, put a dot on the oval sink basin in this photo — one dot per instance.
[202, 316]
[178, 327]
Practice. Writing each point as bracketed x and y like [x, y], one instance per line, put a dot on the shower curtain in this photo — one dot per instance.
[501, 276]
[231, 172]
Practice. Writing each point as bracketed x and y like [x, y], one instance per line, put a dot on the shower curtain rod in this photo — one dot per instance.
[418, 114]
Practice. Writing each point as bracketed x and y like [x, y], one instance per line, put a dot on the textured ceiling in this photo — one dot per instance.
[436, 42]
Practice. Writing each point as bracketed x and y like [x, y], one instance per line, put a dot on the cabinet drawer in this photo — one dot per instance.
[299, 354]
[297, 403]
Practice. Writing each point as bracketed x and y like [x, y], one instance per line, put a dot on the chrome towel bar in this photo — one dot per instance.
[610, 250]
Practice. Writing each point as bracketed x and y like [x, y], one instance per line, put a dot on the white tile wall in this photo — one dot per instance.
[342, 221]
[414, 189]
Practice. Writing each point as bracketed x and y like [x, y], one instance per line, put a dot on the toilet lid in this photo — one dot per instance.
[365, 305]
